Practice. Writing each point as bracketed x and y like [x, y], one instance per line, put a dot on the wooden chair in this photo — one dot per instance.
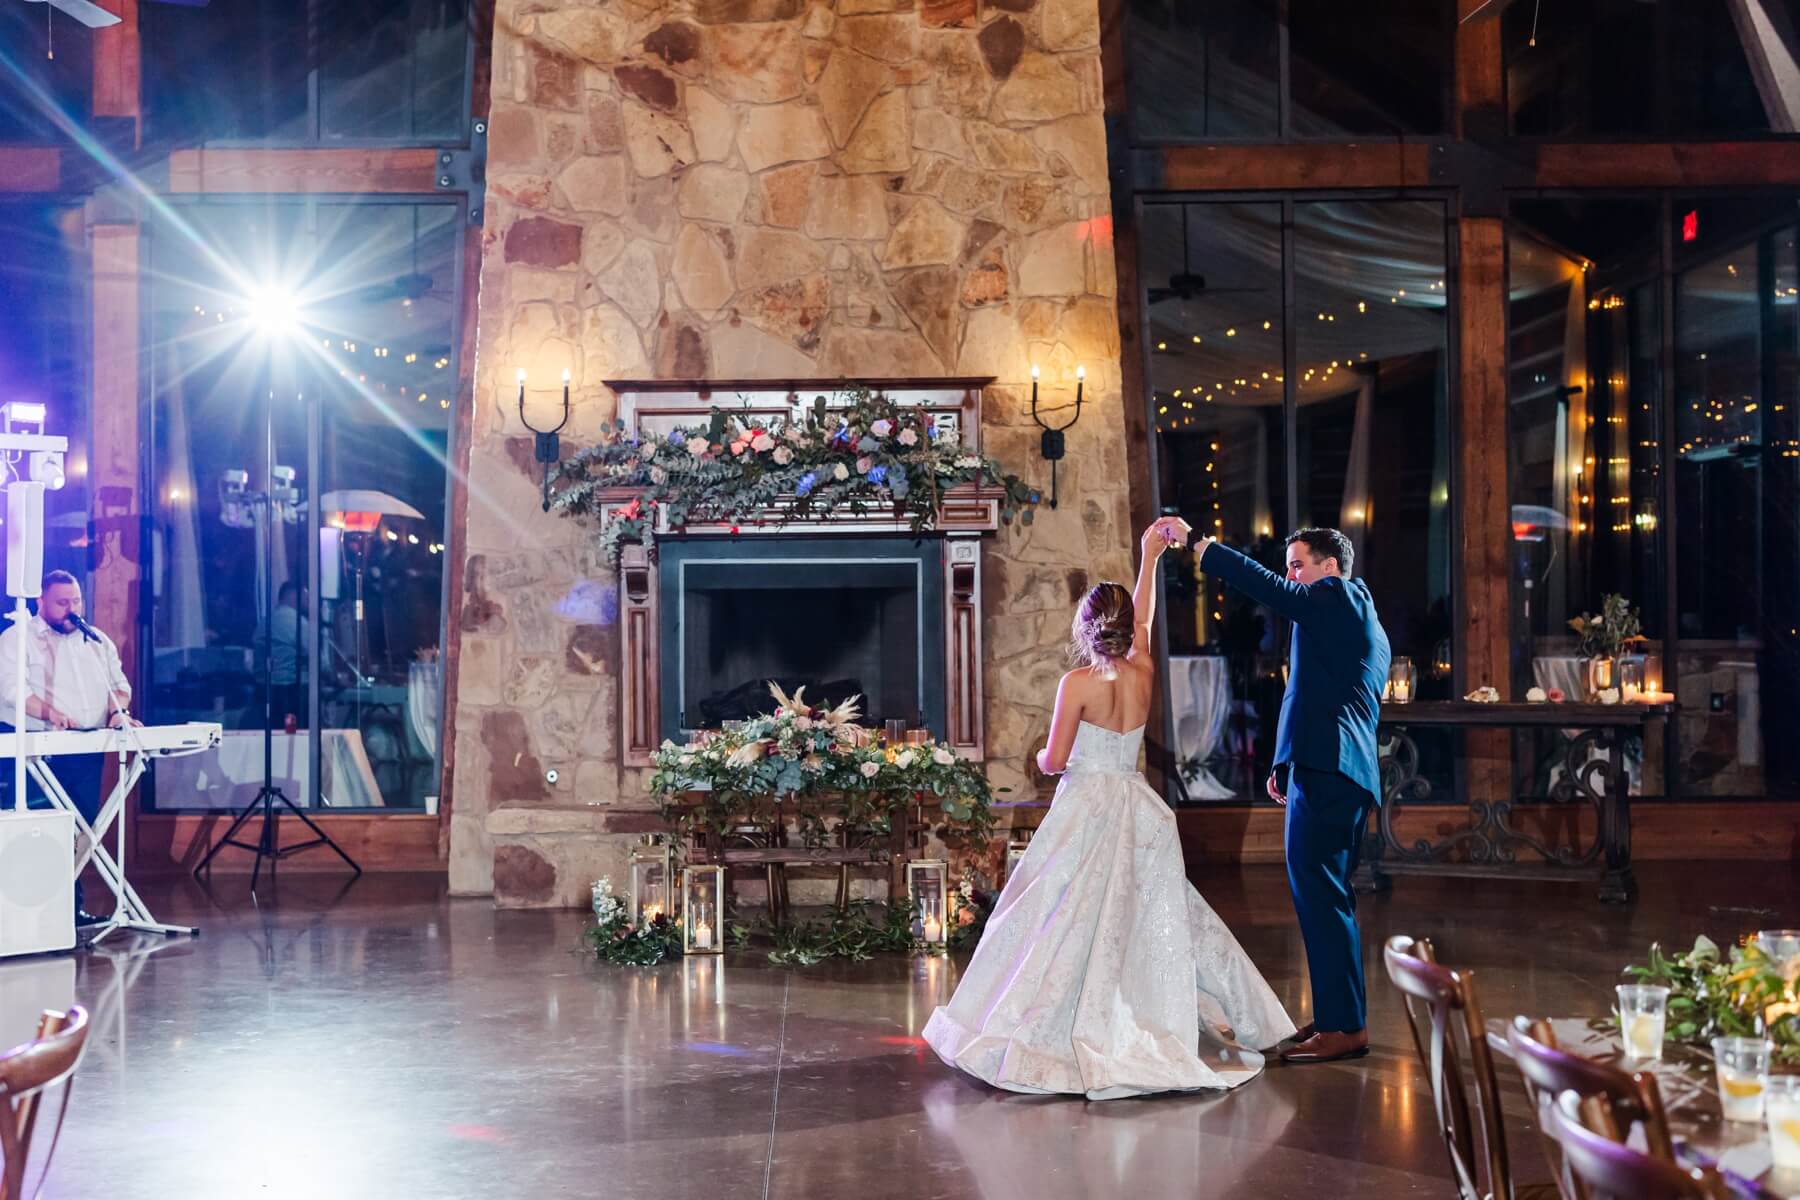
[1610, 1170]
[1447, 1027]
[1624, 1099]
[25, 1072]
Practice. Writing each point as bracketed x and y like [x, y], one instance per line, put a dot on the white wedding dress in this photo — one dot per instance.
[1102, 971]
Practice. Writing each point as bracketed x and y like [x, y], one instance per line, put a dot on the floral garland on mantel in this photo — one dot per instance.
[824, 765]
[869, 454]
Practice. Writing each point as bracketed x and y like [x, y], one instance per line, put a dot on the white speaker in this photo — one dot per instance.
[24, 539]
[37, 882]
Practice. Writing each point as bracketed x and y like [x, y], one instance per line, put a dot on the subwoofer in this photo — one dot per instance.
[37, 882]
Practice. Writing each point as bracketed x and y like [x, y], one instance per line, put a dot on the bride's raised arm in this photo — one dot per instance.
[1143, 597]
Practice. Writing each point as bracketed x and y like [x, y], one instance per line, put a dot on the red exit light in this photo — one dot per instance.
[1690, 225]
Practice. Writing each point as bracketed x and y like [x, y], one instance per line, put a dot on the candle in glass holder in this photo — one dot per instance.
[703, 936]
[1400, 680]
[934, 929]
[1631, 680]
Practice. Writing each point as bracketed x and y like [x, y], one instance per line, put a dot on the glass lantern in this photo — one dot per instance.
[703, 910]
[652, 882]
[1653, 680]
[1402, 681]
[927, 891]
[1631, 680]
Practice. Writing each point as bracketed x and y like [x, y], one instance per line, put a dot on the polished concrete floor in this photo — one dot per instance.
[381, 1040]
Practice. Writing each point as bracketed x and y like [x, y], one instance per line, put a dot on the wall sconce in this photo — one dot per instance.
[1052, 446]
[548, 447]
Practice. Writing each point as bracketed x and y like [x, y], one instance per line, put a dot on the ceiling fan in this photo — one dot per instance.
[1185, 284]
[95, 17]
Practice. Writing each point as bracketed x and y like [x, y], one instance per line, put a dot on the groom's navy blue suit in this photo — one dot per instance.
[1337, 668]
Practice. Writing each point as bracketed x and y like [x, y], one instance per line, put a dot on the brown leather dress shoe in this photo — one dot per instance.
[1328, 1047]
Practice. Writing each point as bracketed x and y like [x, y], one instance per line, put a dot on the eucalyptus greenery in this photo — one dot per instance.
[859, 452]
[1606, 633]
[617, 941]
[828, 771]
[862, 931]
[1723, 994]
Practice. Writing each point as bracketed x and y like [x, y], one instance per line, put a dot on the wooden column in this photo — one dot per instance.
[1484, 633]
[119, 70]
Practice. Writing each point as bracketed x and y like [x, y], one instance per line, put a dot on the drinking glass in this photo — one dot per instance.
[1742, 1063]
[1643, 1009]
[1781, 1105]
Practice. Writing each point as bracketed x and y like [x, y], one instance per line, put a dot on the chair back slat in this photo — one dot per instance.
[1629, 1098]
[1446, 1022]
[1611, 1170]
[25, 1072]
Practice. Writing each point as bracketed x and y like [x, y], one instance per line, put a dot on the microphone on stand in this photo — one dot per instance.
[87, 631]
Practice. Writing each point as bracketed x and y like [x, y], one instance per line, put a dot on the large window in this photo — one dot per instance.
[297, 71]
[46, 70]
[1628, 68]
[1298, 370]
[347, 395]
[1217, 70]
[1605, 294]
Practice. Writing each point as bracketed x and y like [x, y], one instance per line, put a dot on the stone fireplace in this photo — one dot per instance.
[846, 605]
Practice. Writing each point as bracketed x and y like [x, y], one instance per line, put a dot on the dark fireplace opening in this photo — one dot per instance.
[839, 617]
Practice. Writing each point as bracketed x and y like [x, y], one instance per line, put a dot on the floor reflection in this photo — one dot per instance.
[385, 1040]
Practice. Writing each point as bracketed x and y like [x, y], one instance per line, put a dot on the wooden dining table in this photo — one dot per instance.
[1690, 1091]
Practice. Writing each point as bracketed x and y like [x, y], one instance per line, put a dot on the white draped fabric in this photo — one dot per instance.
[1200, 699]
[424, 699]
[1102, 972]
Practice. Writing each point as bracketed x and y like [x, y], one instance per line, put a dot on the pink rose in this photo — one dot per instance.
[870, 770]
[863, 464]
[908, 438]
[881, 428]
[696, 446]
[762, 443]
[782, 456]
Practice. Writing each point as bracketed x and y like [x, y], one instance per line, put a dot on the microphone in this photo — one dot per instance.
[87, 631]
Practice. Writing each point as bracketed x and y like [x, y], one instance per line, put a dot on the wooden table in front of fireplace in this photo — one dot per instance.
[766, 845]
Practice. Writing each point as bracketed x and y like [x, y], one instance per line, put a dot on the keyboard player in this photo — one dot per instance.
[73, 680]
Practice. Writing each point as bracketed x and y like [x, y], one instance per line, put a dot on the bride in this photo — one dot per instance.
[1102, 972]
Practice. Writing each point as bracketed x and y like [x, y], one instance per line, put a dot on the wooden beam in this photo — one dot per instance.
[1668, 165]
[118, 69]
[1483, 632]
[412, 170]
[30, 169]
[1238, 168]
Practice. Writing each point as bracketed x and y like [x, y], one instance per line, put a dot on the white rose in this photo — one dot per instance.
[782, 456]
[904, 760]
[870, 770]
[942, 757]
[840, 472]
[697, 446]
[1537, 695]
[1609, 696]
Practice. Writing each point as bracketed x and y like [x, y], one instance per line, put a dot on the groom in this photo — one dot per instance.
[1325, 747]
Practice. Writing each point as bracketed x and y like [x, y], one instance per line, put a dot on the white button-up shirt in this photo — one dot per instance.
[81, 679]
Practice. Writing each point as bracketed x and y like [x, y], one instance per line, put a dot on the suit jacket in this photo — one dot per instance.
[1337, 666]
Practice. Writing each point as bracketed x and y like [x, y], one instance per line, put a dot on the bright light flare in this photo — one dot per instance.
[274, 312]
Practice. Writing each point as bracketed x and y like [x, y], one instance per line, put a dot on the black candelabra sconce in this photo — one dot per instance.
[1052, 447]
[547, 448]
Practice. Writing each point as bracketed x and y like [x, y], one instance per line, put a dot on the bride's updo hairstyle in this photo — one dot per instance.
[1104, 624]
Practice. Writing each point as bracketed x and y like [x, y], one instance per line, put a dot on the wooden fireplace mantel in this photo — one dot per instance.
[966, 512]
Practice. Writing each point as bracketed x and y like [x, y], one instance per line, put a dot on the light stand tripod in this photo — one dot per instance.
[271, 506]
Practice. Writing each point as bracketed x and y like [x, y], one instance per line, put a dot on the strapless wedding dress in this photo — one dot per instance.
[1102, 972]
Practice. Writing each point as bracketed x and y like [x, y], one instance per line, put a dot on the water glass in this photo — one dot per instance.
[1783, 948]
[1643, 1010]
[1742, 1063]
[1781, 1105]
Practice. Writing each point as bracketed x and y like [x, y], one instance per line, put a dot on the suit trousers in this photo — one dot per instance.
[1326, 813]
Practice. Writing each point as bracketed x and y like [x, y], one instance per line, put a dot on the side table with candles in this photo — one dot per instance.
[1594, 775]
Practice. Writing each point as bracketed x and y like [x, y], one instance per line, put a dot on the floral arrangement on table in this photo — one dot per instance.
[1605, 633]
[865, 453]
[829, 767]
[1726, 994]
[616, 940]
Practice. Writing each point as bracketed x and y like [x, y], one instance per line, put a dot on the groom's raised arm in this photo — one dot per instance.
[1292, 600]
